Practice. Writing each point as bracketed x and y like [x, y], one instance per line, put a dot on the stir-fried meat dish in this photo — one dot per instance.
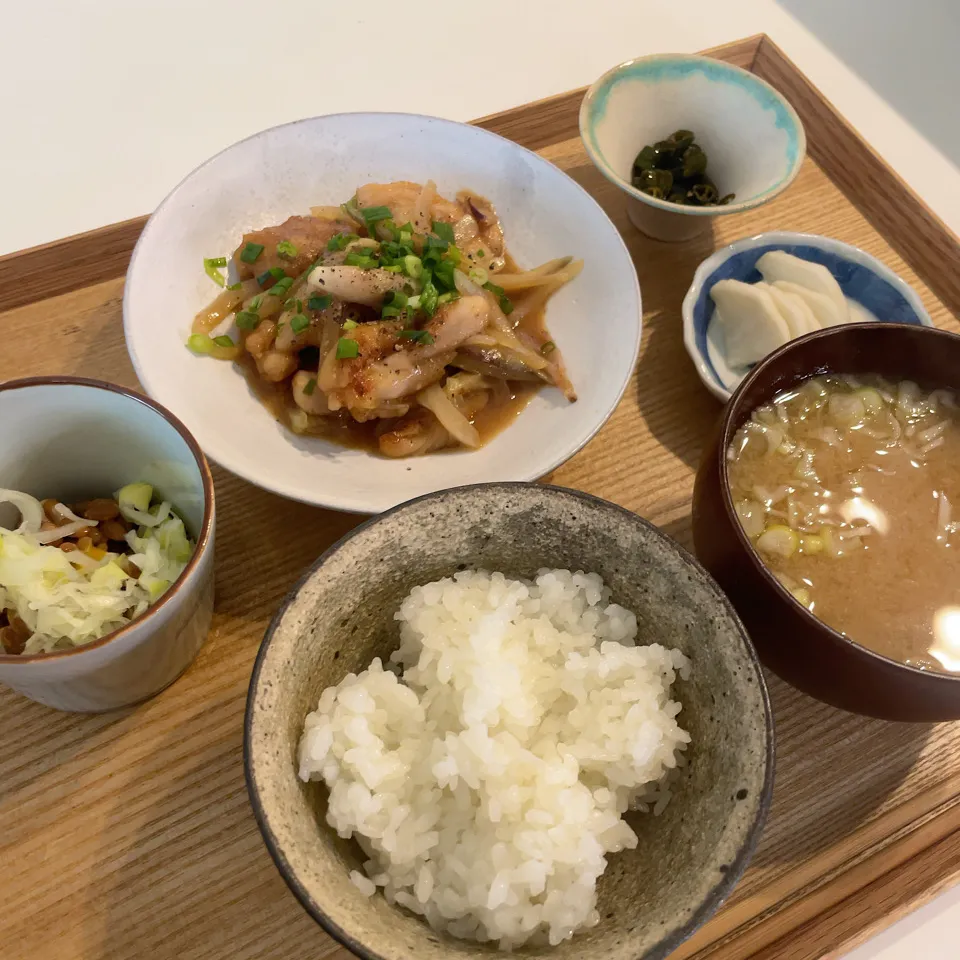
[396, 322]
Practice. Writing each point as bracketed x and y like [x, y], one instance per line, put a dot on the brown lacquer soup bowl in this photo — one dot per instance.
[790, 640]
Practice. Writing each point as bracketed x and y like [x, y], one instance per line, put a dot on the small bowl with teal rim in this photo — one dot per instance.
[753, 139]
[873, 291]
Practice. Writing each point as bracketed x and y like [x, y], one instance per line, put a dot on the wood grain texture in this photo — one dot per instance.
[69, 264]
[130, 835]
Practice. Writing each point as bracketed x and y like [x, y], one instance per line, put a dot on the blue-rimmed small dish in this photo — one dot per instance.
[752, 136]
[864, 280]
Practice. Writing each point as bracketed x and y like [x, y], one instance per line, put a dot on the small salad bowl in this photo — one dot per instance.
[75, 439]
[872, 289]
[753, 138]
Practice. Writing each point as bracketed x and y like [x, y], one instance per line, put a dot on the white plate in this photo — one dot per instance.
[282, 171]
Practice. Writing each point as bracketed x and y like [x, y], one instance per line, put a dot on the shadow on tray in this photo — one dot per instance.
[677, 408]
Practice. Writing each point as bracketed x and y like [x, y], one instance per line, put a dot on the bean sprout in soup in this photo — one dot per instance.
[849, 489]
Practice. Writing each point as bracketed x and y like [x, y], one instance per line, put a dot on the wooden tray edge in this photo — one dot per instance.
[37, 273]
[55, 268]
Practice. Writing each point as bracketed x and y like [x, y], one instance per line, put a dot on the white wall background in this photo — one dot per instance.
[107, 104]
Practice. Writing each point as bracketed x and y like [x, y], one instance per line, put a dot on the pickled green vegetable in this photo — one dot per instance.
[675, 170]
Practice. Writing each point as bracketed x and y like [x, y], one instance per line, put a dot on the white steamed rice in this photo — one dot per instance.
[488, 784]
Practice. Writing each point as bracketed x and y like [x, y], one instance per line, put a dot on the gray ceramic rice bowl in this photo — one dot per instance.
[340, 616]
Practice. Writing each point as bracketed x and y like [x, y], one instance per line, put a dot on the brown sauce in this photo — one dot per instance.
[342, 429]
[503, 407]
[392, 396]
[858, 514]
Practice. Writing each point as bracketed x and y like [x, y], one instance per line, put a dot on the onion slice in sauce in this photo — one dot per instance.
[442, 407]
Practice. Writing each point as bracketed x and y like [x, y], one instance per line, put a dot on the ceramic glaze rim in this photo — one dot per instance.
[594, 104]
[206, 525]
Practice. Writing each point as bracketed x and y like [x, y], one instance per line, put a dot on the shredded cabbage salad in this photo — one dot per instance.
[69, 599]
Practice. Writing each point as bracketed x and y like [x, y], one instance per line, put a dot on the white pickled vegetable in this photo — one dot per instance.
[826, 312]
[794, 310]
[750, 322]
[778, 265]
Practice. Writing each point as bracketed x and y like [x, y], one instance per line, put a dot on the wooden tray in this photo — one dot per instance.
[130, 835]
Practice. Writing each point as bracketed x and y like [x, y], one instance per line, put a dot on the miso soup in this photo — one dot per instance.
[849, 489]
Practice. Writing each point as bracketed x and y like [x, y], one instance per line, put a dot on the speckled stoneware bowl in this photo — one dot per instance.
[340, 616]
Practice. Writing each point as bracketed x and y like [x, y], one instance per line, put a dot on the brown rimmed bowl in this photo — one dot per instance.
[77, 439]
[340, 616]
[796, 645]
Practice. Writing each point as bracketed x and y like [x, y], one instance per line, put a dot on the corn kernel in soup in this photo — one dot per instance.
[849, 489]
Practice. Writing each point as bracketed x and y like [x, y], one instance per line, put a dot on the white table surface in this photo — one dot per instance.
[109, 103]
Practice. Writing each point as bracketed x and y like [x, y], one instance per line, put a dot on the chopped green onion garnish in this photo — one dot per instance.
[428, 298]
[273, 274]
[388, 313]
[506, 304]
[479, 276]
[235, 286]
[280, 288]
[454, 255]
[347, 349]
[480, 253]
[397, 298]
[210, 265]
[356, 258]
[286, 249]
[443, 274]
[247, 320]
[339, 241]
[393, 268]
[447, 297]
[435, 243]
[413, 267]
[310, 386]
[443, 230]
[319, 301]
[200, 343]
[255, 302]
[548, 347]
[373, 215]
[350, 324]
[224, 341]
[299, 323]
[250, 252]
[420, 336]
